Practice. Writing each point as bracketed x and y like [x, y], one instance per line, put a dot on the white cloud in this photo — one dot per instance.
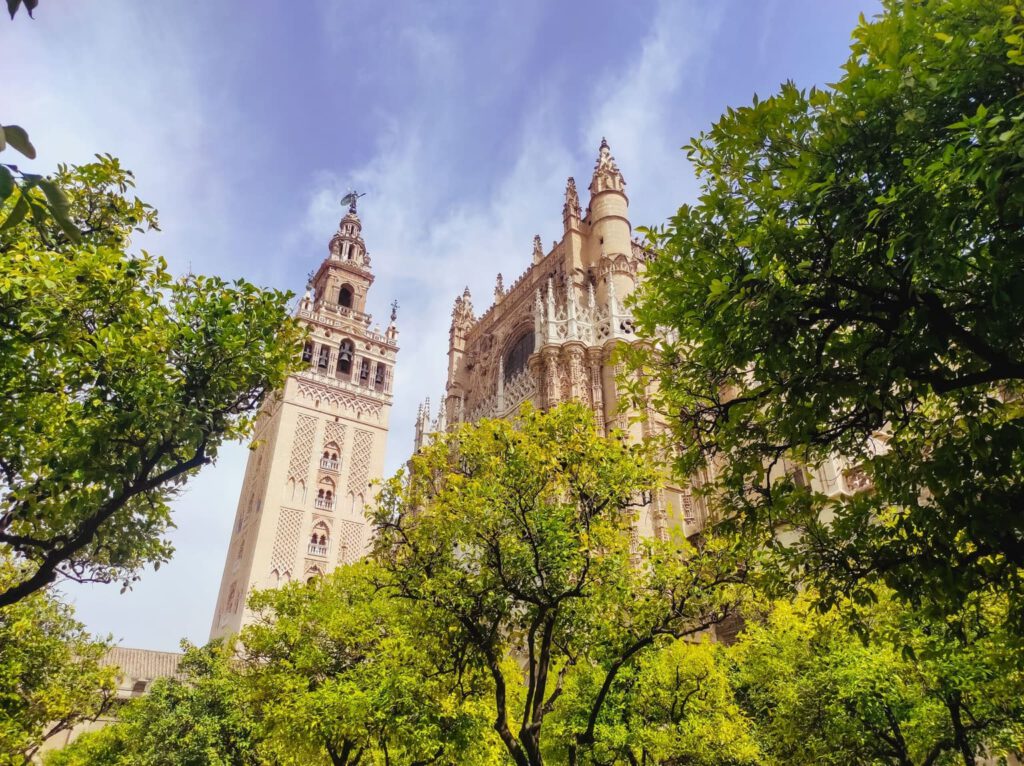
[643, 109]
[119, 78]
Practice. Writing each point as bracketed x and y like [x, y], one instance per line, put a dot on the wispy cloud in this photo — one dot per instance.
[426, 246]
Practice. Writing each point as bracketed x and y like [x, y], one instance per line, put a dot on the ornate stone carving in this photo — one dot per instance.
[359, 462]
[571, 208]
[302, 448]
[286, 542]
[339, 399]
[606, 173]
[351, 541]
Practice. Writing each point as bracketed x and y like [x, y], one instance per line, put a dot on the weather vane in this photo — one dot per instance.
[351, 198]
[394, 310]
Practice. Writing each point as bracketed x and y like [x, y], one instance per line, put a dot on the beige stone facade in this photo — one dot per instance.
[552, 334]
[318, 443]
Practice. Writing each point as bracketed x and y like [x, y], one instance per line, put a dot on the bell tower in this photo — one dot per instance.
[319, 442]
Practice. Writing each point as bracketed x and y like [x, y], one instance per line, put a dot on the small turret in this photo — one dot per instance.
[609, 235]
[538, 249]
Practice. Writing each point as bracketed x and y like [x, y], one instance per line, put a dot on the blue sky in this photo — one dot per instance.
[245, 122]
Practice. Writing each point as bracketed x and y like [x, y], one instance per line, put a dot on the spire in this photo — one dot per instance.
[538, 249]
[499, 288]
[571, 208]
[606, 173]
[462, 312]
[347, 243]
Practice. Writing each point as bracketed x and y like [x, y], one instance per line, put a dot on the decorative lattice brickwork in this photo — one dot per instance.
[359, 464]
[335, 432]
[350, 541]
[286, 541]
[302, 448]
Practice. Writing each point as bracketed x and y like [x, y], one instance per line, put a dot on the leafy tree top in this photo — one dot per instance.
[851, 280]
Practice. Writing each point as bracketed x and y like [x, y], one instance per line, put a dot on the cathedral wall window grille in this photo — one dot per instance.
[515, 359]
[319, 540]
[346, 349]
[345, 295]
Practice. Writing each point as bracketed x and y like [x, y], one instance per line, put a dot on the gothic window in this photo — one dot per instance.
[515, 359]
[345, 352]
[345, 296]
[380, 377]
[325, 495]
[364, 372]
[325, 357]
[307, 351]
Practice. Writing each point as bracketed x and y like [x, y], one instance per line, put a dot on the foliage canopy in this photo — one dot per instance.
[117, 383]
[851, 281]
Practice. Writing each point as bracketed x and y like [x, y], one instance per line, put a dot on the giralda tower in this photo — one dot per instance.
[319, 442]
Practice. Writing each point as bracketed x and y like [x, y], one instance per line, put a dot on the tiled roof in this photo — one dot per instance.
[143, 664]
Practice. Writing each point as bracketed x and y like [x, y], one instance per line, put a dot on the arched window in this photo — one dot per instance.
[319, 539]
[329, 458]
[325, 358]
[345, 296]
[138, 688]
[346, 349]
[515, 359]
[380, 377]
[364, 372]
[307, 351]
[325, 495]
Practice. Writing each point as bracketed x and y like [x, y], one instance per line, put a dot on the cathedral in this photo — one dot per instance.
[552, 334]
[548, 337]
[319, 442]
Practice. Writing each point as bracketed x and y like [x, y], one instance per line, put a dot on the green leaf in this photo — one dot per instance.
[17, 214]
[17, 137]
[6, 183]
